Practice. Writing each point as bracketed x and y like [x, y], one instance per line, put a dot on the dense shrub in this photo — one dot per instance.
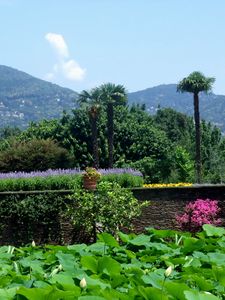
[36, 154]
[153, 170]
[109, 209]
[27, 217]
[183, 166]
[124, 180]
[61, 182]
[198, 213]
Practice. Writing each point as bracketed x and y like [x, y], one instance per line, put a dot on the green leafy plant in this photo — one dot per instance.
[25, 217]
[124, 180]
[155, 265]
[108, 209]
[91, 173]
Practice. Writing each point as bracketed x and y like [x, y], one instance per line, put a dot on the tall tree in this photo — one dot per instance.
[112, 95]
[195, 83]
[92, 102]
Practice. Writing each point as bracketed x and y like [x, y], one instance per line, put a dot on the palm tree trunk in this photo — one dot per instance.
[94, 131]
[110, 125]
[197, 138]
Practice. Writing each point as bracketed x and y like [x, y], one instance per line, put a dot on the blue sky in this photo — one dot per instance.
[138, 43]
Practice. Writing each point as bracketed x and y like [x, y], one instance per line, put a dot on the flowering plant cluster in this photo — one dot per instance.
[91, 173]
[198, 213]
[163, 185]
[76, 171]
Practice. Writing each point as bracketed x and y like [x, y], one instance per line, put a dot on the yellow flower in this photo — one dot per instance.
[163, 185]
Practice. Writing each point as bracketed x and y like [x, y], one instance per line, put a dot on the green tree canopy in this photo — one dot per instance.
[112, 95]
[92, 102]
[195, 83]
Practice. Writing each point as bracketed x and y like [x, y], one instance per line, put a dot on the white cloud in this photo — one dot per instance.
[72, 70]
[65, 66]
[58, 43]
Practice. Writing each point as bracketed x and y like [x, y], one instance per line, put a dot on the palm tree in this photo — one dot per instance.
[92, 102]
[112, 95]
[195, 83]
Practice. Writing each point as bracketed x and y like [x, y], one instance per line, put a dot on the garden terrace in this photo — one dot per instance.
[39, 215]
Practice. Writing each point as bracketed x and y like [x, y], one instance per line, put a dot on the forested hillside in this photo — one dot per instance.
[24, 98]
[212, 107]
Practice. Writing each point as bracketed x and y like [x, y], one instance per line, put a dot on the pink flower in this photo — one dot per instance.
[198, 213]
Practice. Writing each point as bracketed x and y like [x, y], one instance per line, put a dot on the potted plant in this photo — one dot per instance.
[90, 178]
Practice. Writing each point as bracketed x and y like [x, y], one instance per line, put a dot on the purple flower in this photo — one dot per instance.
[120, 171]
[49, 172]
[76, 171]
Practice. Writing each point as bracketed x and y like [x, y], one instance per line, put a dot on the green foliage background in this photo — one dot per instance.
[161, 146]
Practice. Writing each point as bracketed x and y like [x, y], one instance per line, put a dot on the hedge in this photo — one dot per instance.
[63, 182]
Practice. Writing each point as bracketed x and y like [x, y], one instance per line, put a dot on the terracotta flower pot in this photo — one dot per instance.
[89, 183]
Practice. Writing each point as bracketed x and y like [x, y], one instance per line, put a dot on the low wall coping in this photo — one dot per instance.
[136, 190]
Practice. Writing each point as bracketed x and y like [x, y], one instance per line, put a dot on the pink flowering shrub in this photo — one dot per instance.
[198, 213]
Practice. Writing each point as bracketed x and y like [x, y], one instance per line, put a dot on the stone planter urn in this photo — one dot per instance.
[90, 178]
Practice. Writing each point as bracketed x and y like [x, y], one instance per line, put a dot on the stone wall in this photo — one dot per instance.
[165, 203]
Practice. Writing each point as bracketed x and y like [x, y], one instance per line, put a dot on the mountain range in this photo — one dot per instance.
[212, 106]
[24, 98]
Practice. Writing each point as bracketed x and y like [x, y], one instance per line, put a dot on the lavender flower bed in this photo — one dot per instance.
[66, 172]
[40, 173]
[118, 171]
[64, 179]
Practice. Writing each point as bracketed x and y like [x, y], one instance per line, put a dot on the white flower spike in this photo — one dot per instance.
[83, 283]
[168, 271]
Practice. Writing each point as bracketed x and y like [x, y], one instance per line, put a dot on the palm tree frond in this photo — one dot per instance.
[196, 82]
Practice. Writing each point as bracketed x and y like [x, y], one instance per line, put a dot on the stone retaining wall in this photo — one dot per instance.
[165, 203]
